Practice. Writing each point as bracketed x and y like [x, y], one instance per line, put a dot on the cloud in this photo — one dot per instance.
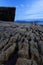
[22, 5]
[16, 6]
[36, 10]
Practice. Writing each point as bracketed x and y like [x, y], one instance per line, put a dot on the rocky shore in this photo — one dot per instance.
[21, 44]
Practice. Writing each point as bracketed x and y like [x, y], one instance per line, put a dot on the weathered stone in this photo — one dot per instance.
[34, 62]
[34, 51]
[5, 54]
[42, 59]
[10, 50]
[3, 43]
[2, 56]
[23, 52]
[41, 46]
[24, 40]
[21, 42]
[24, 61]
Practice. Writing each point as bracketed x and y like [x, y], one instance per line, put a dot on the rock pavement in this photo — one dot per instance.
[25, 40]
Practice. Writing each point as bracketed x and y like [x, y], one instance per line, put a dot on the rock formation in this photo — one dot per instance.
[25, 41]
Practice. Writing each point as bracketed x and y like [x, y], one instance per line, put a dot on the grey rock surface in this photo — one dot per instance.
[24, 40]
[24, 61]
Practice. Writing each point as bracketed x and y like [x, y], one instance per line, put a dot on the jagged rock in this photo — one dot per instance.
[42, 59]
[34, 51]
[4, 55]
[32, 36]
[21, 42]
[7, 48]
[3, 43]
[10, 50]
[27, 38]
[23, 52]
[21, 30]
[40, 28]
[34, 62]
[24, 61]
[41, 46]
[1, 64]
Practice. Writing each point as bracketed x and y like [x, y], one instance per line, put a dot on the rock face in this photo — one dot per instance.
[25, 41]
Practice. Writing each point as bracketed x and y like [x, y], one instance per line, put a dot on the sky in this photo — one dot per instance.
[25, 9]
